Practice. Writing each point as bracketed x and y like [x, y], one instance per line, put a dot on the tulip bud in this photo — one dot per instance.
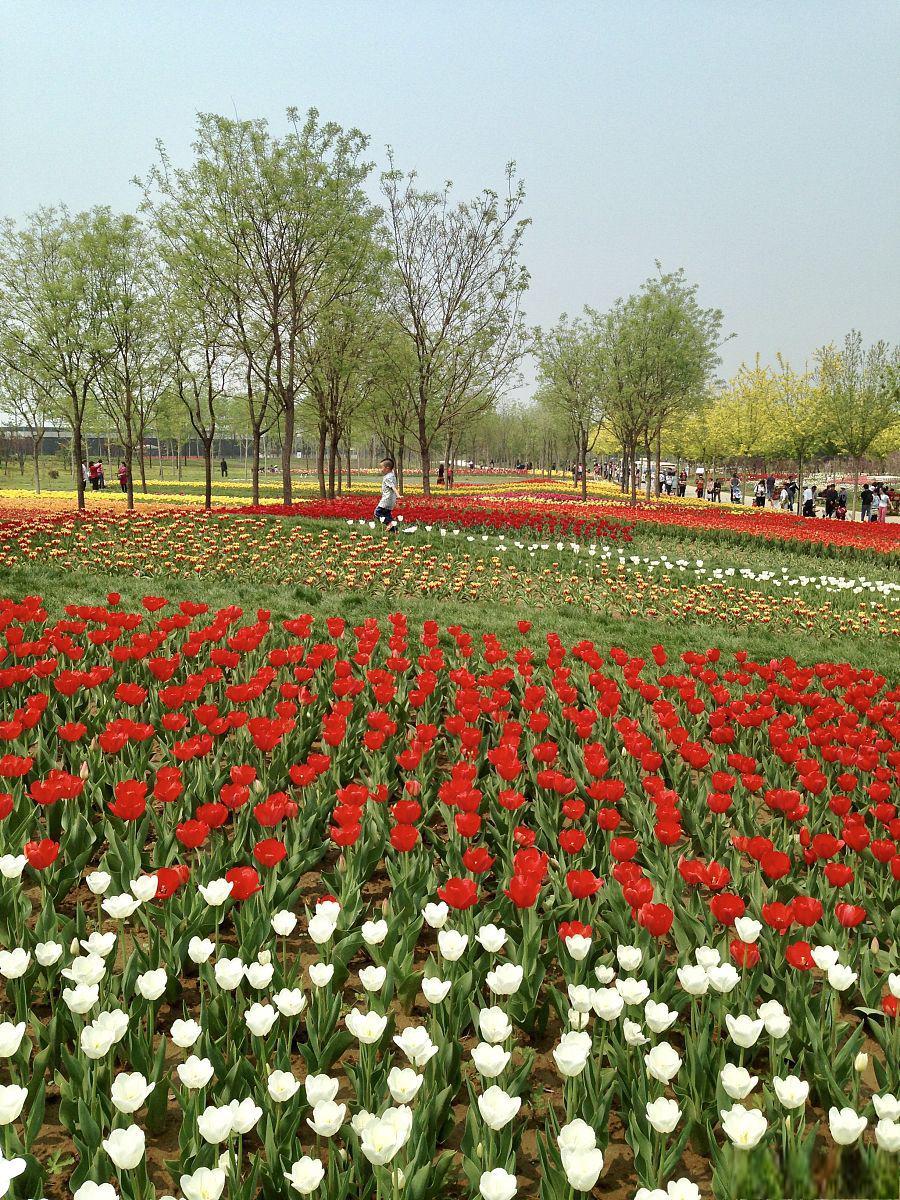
[85, 771]
[860, 1062]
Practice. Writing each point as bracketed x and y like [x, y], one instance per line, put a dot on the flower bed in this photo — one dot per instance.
[300, 908]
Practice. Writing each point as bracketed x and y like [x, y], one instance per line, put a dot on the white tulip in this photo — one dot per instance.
[200, 950]
[320, 1089]
[578, 946]
[608, 1003]
[145, 888]
[634, 1035]
[229, 972]
[663, 1114]
[723, 978]
[13, 865]
[663, 1062]
[894, 984]
[416, 1044]
[244, 1114]
[12, 1100]
[116, 1022]
[659, 1016]
[604, 975]
[86, 968]
[747, 929]
[497, 1107]
[744, 1127]
[737, 1081]
[282, 1086]
[259, 1019]
[825, 957]
[505, 979]
[435, 990]
[95, 1041]
[887, 1106]
[693, 979]
[195, 1072]
[491, 938]
[320, 974]
[436, 915]
[82, 998]
[494, 1024]
[845, 1124]
[372, 978]
[791, 1091]
[216, 893]
[185, 1033]
[374, 932]
[581, 997]
[572, 1052]
[306, 1175]
[707, 957]
[14, 963]
[151, 984]
[682, 1189]
[327, 1118]
[580, 1020]
[48, 953]
[98, 882]
[633, 991]
[321, 930]
[841, 977]
[887, 1135]
[125, 1147]
[744, 1030]
[290, 1002]
[368, 1027]
[206, 1183]
[120, 908]
[452, 944]
[259, 974]
[11, 1038]
[89, 1190]
[582, 1168]
[490, 1061]
[382, 1137]
[130, 1091]
[284, 923]
[497, 1185]
[629, 957]
[215, 1124]
[404, 1084]
[576, 1135]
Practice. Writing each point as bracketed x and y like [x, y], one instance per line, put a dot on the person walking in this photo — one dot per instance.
[223, 467]
[809, 501]
[770, 488]
[390, 494]
[737, 492]
[759, 494]
[123, 477]
[883, 502]
[94, 475]
[865, 502]
[101, 478]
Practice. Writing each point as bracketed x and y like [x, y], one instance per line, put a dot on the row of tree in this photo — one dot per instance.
[265, 273]
[640, 378]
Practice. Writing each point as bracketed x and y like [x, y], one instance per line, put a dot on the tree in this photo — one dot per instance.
[272, 228]
[456, 297]
[29, 405]
[53, 332]
[129, 384]
[862, 390]
[798, 417]
[570, 383]
[667, 346]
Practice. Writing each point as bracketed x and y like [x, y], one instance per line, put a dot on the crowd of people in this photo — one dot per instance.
[93, 475]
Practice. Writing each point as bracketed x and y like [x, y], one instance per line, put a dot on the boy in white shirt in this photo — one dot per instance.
[389, 496]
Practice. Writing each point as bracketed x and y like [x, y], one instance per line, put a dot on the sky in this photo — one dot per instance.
[754, 144]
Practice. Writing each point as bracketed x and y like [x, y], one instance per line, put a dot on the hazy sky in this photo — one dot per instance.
[756, 144]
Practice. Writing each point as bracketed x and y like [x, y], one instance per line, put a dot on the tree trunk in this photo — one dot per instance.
[79, 477]
[348, 468]
[856, 473]
[128, 454]
[320, 459]
[254, 465]
[647, 486]
[207, 472]
[799, 484]
[633, 470]
[287, 449]
[425, 453]
[398, 460]
[36, 446]
[332, 453]
[658, 488]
